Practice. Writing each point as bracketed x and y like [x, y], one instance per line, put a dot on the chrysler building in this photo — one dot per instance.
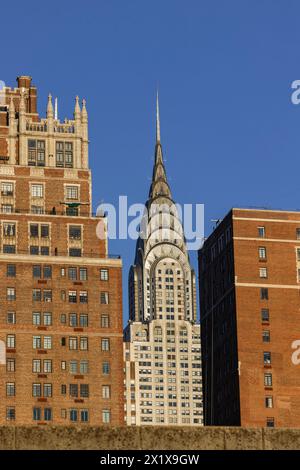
[162, 339]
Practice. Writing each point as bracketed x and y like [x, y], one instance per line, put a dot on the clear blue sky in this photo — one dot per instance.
[230, 133]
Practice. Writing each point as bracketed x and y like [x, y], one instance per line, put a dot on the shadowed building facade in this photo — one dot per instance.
[61, 293]
[162, 339]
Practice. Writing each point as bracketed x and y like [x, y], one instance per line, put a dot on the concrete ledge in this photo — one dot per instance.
[281, 439]
[146, 438]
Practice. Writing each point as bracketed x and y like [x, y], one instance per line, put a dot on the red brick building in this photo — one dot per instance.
[249, 274]
[61, 293]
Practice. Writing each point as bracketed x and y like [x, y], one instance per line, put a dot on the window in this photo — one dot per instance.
[47, 366]
[84, 416]
[83, 274]
[105, 368]
[37, 230]
[10, 365]
[47, 390]
[73, 415]
[11, 318]
[269, 402]
[48, 414]
[73, 367]
[47, 342]
[73, 343]
[47, 319]
[106, 416]
[9, 248]
[44, 229]
[36, 295]
[263, 273]
[266, 336]
[47, 272]
[36, 366]
[262, 252]
[104, 298]
[36, 390]
[270, 423]
[7, 189]
[34, 250]
[64, 154]
[9, 230]
[34, 230]
[37, 209]
[6, 208]
[265, 315]
[36, 342]
[83, 343]
[83, 320]
[10, 389]
[73, 319]
[84, 390]
[104, 274]
[37, 190]
[36, 152]
[72, 296]
[11, 270]
[75, 232]
[104, 321]
[10, 293]
[105, 346]
[264, 293]
[11, 341]
[47, 295]
[72, 192]
[84, 367]
[83, 297]
[105, 391]
[10, 413]
[76, 252]
[73, 390]
[36, 318]
[72, 274]
[261, 232]
[36, 415]
[267, 358]
[298, 233]
[44, 250]
[36, 271]
[72, 211]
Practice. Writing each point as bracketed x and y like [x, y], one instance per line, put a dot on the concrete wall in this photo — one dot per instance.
[145, 438]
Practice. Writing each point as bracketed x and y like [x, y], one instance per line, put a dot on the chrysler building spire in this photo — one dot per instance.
[159, 185]
[157, 120]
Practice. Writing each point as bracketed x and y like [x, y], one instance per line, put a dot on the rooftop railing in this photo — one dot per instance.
[53, 211]
[57, 252]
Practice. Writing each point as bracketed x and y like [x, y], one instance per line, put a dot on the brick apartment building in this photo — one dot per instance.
[60, 292]
[249, 274]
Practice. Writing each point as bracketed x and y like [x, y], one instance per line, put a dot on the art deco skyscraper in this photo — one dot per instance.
[162, 338]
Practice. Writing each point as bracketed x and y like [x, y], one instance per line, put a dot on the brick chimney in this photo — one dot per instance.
[24, 81]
